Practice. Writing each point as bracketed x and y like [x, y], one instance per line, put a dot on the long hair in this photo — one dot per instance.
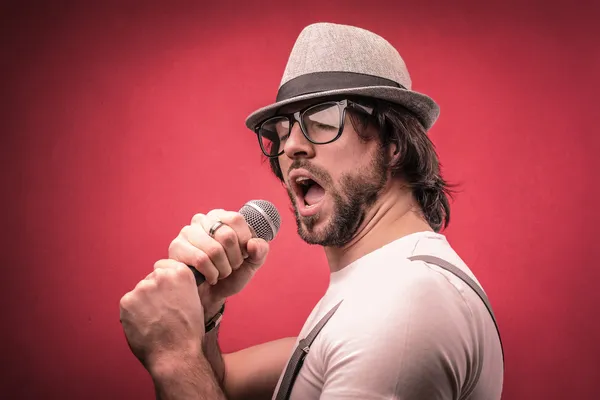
[418, 163]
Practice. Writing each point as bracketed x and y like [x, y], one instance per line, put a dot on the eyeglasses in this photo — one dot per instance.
[320, 123]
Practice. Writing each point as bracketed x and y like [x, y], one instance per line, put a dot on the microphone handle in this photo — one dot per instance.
[197, 275]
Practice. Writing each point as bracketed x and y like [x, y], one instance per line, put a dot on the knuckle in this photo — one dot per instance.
[173, 247]
[182, 273]
[166, 269]
[237, 219]
[190, 234]
[201, 259]
[214, 252]
[159, 274]
[228, 238]
[126, 301]
[182, 270]
[198, 218]
[147, 285]
[204, 265]
[217, 212]
[242, 229]
[159, 264]
[177, 249]
[185, 231]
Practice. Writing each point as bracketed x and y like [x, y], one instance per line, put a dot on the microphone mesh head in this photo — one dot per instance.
[262, 217]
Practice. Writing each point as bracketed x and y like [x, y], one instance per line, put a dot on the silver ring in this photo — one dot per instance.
[213, 229]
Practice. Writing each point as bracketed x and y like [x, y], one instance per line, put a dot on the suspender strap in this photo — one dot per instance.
[297, 359]
[459, 273]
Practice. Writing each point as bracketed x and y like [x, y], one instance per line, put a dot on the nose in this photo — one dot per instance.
[297, 145]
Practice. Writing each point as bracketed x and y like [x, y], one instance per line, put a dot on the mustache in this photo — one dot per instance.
[321, 174]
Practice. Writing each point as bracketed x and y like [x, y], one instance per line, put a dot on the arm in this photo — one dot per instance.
[249, 374]
[253, 373]
[162, 318]
[420, 346]
[186, 379]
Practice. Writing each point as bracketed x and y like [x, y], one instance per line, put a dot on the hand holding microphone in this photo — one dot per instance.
[230, 231]
[165, 314]
[226, 248]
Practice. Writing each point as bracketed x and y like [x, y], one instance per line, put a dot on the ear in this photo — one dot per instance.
[393, 152]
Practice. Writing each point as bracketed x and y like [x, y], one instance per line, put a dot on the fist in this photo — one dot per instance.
[162, 317]
[228, 260]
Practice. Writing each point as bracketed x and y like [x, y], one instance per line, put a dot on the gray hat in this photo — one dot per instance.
[331, 59]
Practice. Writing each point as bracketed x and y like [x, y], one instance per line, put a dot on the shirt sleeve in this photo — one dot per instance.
[404, 341]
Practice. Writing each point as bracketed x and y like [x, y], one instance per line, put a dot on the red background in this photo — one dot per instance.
[122, 121]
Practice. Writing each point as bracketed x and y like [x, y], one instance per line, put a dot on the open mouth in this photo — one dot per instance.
[308, 191]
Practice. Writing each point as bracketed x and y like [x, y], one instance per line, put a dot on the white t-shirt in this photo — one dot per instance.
[406, 330]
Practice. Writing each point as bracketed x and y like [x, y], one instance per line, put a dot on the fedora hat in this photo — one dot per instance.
[336, 60]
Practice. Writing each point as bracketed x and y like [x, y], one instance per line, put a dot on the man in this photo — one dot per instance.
[348, 138]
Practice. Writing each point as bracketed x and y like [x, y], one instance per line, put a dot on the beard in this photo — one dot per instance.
[356, 194]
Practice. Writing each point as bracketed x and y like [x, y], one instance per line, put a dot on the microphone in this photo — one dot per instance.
[264, 221]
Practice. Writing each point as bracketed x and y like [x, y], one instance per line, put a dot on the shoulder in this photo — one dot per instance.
[410, 297]
[410, 330]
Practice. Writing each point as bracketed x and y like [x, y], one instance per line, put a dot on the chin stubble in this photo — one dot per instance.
[357, 193]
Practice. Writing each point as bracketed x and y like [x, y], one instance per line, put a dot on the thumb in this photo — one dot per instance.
[258, 249]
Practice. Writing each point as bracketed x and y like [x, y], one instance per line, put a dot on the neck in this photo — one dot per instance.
[394, 215]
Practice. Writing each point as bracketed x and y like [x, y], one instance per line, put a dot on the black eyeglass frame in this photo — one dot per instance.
[298, 117]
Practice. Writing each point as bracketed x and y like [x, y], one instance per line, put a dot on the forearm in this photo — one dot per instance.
[187, 379]
[210, 344]
[213, 355]
[253, 373]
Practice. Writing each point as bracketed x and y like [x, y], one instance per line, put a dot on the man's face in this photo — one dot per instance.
[331, 186]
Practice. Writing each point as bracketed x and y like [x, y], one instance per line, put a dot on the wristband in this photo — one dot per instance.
[214, 321]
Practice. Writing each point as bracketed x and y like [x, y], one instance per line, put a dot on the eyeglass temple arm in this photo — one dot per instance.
[368, 110]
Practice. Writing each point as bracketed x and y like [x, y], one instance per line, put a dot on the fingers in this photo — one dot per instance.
[214, 257]
[167, 270]
[167, 273]
[181, 249]
[235, 222]
[162, 312]
[228, 238]
[258, 249]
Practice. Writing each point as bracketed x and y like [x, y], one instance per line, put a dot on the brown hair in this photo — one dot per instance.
[417, 165]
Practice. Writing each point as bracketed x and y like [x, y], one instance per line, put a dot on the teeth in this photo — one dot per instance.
[302, 179]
